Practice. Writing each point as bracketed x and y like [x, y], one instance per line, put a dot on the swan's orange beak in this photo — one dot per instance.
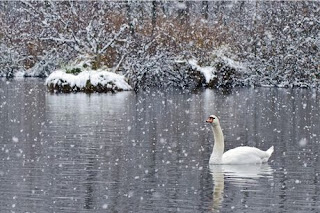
[210, 120]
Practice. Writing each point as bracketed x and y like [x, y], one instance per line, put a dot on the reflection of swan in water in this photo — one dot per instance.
[218, 181]
[241, 175]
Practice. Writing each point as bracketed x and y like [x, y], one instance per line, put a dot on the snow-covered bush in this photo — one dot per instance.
[86, 81]
[79, 75]
[229, 70]
[45, 65]
[221, 69]
[10, 61]
[294, 66]
[273, 43]
[282, 43]
[162, 71]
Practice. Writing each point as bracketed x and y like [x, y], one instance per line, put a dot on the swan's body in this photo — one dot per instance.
[239, 155]
[246, 155]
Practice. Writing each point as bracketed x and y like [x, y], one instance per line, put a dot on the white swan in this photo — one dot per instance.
[239, 155]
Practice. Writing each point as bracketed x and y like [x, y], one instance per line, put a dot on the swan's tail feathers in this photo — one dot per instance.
[270, 151]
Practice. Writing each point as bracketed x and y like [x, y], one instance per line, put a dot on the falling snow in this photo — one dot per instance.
[213, 44]
[147, 149]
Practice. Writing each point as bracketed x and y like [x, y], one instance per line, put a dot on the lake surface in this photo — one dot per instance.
[149, 151]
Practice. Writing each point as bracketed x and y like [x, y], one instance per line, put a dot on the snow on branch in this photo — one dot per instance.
[122, 28]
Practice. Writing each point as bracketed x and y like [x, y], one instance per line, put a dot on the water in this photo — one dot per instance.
[149, 152]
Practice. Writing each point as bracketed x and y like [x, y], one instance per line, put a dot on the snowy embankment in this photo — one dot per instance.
[87, 81]
[219, 68]
[224, 70]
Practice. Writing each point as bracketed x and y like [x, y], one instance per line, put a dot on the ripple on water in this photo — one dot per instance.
[129, 152]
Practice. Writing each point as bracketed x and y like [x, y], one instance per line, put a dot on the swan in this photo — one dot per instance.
[238, 155]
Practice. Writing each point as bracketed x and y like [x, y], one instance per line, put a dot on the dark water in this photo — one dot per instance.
[149, 152]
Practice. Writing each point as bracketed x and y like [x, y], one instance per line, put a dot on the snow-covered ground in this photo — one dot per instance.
[99, 80]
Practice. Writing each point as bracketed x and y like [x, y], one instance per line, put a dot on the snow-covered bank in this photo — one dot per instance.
[87, 81]
[207, 71]
[221, 69]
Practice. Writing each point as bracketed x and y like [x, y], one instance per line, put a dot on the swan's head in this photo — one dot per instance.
[213, 120]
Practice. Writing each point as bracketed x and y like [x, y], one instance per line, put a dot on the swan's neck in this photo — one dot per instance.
[218, 147]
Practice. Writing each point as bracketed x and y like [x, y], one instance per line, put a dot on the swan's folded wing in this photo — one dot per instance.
[244, 155]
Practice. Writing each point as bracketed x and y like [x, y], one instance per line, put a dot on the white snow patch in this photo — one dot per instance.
[95, 77]
[223, 53]
[232, 63]
[208, 71]
[19, 74]
[181, 5]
